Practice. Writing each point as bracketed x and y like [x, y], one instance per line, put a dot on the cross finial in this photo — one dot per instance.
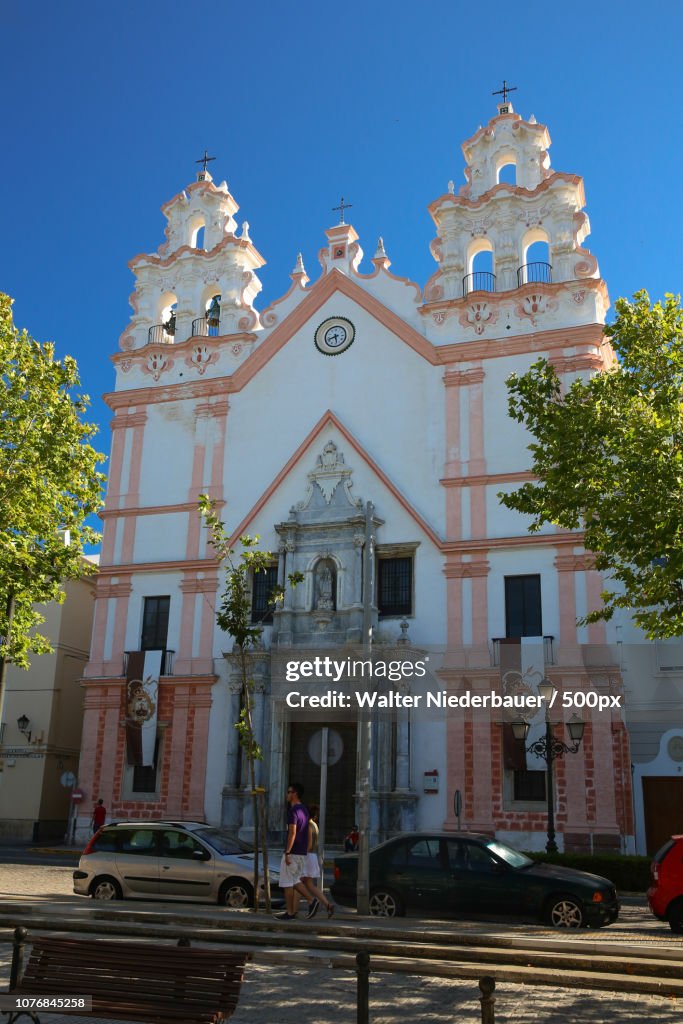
[342, 206]
[205, 160]
[504, 91]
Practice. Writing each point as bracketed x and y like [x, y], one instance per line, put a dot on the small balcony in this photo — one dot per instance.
[479, 281]
[534, 273]
[166, 661]
[548, 649]
[205, 327]
[161, 334]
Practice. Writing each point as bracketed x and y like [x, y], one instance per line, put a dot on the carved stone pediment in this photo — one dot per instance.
[329, 485]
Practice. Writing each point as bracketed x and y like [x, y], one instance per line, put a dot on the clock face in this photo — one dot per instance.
[675, 748]
[334, 336]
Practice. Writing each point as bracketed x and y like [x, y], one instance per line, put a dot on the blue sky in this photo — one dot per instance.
[107, 107]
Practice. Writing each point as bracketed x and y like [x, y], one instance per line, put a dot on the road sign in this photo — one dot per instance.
[77, 795]
[68, 780]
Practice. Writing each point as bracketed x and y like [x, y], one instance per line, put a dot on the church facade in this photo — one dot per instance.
[358, 425]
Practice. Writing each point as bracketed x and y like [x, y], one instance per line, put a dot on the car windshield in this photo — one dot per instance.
[512, 857]
[223, 842]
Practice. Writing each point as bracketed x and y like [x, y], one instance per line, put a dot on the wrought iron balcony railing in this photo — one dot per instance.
[548, 649]
[534, 273]
[479, 281]
[159, 335]
[203, 327]
[166, 661]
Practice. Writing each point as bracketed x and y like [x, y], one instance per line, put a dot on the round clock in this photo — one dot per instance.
[334, 336]
[675, 748]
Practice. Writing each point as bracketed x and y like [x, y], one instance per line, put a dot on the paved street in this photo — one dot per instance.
[315, 995]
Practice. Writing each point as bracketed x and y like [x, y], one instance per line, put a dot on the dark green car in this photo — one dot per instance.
[466, 871]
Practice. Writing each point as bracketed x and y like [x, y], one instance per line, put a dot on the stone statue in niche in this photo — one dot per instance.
[324, 587]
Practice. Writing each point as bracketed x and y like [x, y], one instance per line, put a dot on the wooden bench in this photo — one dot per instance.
[136, 981]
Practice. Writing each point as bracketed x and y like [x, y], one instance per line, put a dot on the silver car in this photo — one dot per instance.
[169, 860]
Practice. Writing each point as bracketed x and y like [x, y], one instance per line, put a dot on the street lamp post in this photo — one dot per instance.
[549, 748]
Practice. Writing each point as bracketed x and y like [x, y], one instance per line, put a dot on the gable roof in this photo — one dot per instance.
[326, 420]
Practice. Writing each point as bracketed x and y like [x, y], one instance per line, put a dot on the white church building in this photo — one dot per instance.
[359, 387]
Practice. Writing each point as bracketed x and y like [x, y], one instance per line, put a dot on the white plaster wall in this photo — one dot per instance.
[299, 385]
[167, 453]
[505, 441]
[161, 538]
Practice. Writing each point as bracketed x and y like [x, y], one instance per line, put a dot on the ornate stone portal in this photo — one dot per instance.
[324, 539]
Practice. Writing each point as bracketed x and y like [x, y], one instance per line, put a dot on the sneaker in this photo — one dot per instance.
[284, 916]
[330, 909]
[313, 908]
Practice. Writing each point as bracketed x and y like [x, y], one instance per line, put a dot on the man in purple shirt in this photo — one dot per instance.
[296, 848]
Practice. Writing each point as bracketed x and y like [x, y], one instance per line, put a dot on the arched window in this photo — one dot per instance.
[164, 330]
[480, 265]
[536, 267]
[197, 227]
[507, 172]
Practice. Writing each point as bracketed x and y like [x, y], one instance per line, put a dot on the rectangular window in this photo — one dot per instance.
[528, 785]
[262, 587]
[145, 776]
[155, 623]
[523, 606]
[395, 586]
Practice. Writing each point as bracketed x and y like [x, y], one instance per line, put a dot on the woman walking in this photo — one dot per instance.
[312, 867]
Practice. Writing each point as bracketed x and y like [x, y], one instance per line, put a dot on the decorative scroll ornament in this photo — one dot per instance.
[201, 357]
[478, 315]
[535, 305]
[157, 363]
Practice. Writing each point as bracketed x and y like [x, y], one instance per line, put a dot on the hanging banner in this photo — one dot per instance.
[142, 698]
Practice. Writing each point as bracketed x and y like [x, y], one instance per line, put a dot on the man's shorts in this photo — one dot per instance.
[291, 873]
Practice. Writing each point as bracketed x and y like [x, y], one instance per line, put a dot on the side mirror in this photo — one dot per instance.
[201, 855]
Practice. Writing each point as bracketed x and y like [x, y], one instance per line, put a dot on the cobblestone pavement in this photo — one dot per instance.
[315, 995]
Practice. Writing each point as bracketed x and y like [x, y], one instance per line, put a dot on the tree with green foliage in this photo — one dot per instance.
[608, 455]
[234, 618]
[49, 485]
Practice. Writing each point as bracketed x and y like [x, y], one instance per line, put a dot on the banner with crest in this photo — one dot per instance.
[142, 699]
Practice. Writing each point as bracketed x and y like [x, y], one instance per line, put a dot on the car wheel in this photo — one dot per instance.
[385, 903]
[236, 894]
[564, 912]
[105, 888]
[675, 916]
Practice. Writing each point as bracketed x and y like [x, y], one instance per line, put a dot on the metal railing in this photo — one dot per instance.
[479, 281]
[166, 661]
[548, 649]
[202, 327]
[534, 273]
[159, 335]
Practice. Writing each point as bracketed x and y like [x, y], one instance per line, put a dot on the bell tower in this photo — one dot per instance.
[202, 280]
[515, 228]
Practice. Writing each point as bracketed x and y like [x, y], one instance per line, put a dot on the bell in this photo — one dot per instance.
[213, 314]
[169, 326]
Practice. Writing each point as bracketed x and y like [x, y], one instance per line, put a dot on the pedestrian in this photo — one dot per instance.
[312, 866]
[99, 816]
[351, 840]
[296, 848]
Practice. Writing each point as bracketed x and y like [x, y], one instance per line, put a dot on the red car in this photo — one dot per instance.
[665, 895]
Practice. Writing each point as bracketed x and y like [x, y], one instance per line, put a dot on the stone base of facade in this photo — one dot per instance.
[26, 830]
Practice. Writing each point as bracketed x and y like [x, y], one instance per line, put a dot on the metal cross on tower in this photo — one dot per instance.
[342, 206]
[504, 91]
[205, 160]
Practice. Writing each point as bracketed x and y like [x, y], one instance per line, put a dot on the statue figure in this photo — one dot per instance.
[324, 584]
